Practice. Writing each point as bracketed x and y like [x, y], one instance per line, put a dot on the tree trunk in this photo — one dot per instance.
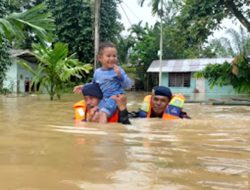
[233, 9]
[96, 39]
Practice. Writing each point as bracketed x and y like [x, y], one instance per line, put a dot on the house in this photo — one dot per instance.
[178, 75]
[18, 80]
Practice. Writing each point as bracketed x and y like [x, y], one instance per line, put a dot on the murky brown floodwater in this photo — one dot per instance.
[40, 149]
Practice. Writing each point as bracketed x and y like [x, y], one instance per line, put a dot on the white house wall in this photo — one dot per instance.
[10, 81]
[23, 76]
[16, 76]
[200, 85]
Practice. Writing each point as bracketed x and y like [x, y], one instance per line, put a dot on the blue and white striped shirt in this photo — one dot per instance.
[110, 83]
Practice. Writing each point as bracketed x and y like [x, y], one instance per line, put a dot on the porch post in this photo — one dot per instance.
[161, 42]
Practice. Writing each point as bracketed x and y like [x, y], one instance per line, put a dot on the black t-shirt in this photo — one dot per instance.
[153, 115]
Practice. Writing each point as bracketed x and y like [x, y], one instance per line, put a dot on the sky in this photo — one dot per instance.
[132, 13]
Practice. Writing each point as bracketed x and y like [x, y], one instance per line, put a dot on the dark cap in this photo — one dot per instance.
[162, 91]
[92, 89]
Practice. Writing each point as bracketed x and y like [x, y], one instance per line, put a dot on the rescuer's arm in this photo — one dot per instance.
[184, 115]
[121, 101]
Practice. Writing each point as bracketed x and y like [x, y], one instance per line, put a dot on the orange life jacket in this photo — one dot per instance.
[80, 112]
[114, 118]
[172, 110]
[174, 107]
[147, 105]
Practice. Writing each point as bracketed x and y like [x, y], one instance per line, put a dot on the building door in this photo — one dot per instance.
[200, 85]
[26, 86]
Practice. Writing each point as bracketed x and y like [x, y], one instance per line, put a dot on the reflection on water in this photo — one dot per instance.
[41, 149]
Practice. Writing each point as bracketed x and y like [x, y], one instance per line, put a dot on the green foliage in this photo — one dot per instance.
[4, 55]
[74, 26]
[2, 8]
[28, 35]
[110, 28]
[55, 68]
[19, 5]
[145, 49]
[176, 40]
[124, 44]
[129, 69]
[12, 26]
[38, 21]
[236, 74]
[146, 45]
[198, 18]
[187, 25]
[238, 43]
[156, 6]
[242, 81]
[196, 21]
[218, 48]
[5, 91]
[4, 60]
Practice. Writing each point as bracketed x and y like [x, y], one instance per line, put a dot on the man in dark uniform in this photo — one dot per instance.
[161, 97]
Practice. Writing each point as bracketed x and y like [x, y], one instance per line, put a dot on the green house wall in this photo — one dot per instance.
[208, 92]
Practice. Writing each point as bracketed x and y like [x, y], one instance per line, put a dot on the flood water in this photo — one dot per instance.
[41, 149]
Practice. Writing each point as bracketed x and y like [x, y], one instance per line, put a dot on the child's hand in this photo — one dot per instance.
[117, 70]
[78, 89]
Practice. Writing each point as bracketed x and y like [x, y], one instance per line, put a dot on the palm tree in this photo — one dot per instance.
[37, 19]
[156, 9]
[55, 68]
[239, 41]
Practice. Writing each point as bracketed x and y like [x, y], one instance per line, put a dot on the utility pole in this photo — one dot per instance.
[161, 44]
[97, 19]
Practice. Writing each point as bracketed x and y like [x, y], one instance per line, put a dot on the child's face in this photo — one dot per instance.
[108, 57]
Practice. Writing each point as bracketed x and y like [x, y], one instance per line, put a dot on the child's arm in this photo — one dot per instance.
[78, 89]
[125, 80]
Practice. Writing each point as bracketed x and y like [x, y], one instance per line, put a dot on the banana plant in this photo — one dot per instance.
[55, 68]
[37, 19]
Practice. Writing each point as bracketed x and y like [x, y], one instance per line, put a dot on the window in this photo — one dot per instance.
[179, 79]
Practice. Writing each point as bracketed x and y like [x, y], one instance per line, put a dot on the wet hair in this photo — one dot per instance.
[104, 45]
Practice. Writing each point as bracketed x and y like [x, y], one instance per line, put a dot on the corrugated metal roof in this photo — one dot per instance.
[19, 52]
[23, 54]
[185, 65]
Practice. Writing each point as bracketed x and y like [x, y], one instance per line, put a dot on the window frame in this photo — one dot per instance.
[179, 79]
